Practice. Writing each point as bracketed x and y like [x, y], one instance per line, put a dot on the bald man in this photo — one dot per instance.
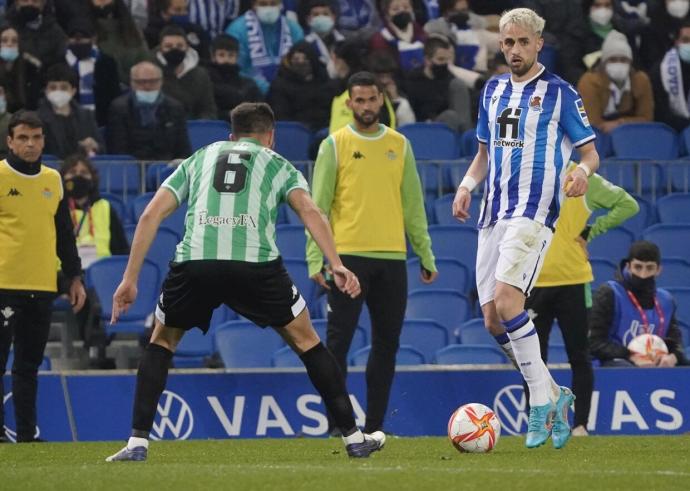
[146, 123]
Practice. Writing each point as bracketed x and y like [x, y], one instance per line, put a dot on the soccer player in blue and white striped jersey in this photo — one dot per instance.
[529, 122]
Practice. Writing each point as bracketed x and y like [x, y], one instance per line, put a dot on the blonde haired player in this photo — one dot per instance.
[529, 122]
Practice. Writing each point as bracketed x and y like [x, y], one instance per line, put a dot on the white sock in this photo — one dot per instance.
[525, 343]
[504, 342]
[356, 437]
[135, 442]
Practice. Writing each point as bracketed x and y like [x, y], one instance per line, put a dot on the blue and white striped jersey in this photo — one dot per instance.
[530, 129]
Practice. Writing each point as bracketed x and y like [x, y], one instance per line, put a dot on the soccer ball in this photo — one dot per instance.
[646, 348]
[474, 428]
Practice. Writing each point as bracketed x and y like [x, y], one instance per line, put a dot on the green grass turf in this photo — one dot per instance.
[593, 463]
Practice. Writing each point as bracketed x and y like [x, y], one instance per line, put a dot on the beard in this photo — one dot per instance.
[366, 119]
[521, 69]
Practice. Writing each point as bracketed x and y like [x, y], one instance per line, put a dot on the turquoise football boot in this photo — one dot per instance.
[540, 424]
[561, 428]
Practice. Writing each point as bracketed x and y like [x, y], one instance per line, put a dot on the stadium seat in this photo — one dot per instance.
[674, 208]
[684, 334]
[425, 335]
[637, 141]
[432, 141]
[203, 132]
[469, 143]
[469, 354]
[291, 218]
[105, 275]
[602, 143]
[449, 308]
[162, 249]
[292, 140]
[285, 357]
[603, 270]
[677, 175]
[194, 348]
[557, 353]
[118, 174]
[682, 297]
[407, 355]
[613, 245]
[118, 205]
[671, 239]
[452, 275]
[291, 241]
[675, 272]
[433, 179]
[455, 242]
[548, 56]
[359, 339]
[644, 179]
[175, 222]
[299, 274]
[156, 174]
[45, 365]
[556, 336]
[443, 210]
[645, 217]
[242, 344]
[474, 332]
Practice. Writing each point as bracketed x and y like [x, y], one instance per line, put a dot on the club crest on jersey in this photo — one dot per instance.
[47, 193]
[535, 103]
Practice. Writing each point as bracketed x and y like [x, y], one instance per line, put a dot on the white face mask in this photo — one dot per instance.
[618, 71]
[678, 8]
[601, 15]
[59, 98]
[268, 15]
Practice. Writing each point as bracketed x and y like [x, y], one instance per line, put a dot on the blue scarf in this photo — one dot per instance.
[85, 69]
[265, 63]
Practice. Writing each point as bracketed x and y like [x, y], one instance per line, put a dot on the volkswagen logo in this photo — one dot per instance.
[174, 418]
[9, 411]
[510, 406]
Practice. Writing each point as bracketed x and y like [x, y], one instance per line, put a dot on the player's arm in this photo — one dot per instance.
[163, 204]
[320, 230]
[575, 184]
[475, 175]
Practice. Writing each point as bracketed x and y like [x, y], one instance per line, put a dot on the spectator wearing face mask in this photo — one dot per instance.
[358, 18]
[20, 72]
[39, 34]
[183, 78]
[599, 21]
[401, 35]
[176, 13]
[384, 67]
[146, 123]
[613, 92]
[666, 21]
[69, 128]
[261, 54]
[323, 34]
[300, 91]
[99, 81]
[671, 82]
[229, 87]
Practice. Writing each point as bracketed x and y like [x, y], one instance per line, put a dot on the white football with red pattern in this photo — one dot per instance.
[474, 428]
[646, 348]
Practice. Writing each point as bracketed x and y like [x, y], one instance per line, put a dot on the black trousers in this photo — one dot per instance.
[24, 319]
[384, 289]
[568, 305]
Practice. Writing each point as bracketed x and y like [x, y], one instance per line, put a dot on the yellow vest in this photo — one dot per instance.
[566, 262]
[28, 205]
[366, 213]
[341, 115]
[96, 232]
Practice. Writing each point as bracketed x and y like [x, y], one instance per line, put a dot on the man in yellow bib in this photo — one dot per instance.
[366, 182]
[35, 230]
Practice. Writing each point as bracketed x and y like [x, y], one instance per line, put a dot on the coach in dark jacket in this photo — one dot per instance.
[146, 123]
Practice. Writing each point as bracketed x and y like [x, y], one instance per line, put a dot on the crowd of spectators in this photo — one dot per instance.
[123, 76]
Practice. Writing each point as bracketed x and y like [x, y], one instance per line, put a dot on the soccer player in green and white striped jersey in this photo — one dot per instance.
[228, 255]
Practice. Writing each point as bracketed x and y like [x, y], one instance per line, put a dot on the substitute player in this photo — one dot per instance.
[529, 122]
[228, 255]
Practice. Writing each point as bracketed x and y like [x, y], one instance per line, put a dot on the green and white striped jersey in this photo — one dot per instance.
[233, 190]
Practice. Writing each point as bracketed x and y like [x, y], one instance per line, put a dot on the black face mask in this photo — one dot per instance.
[104, 11]
[81, 50]
[460, 19]
[174, 57]
[28, 13]
[642, 285]
[401, 19]
[440, 71]
[227, 70]
[302, 69]
[78, 187]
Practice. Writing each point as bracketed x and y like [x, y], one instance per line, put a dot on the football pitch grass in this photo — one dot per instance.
[593, 463]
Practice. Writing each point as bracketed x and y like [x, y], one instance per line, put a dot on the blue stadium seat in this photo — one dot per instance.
[452, 274]
[455, 242]
[299, 274]
[407, 355]
[292, 140]
[286, 358]
[644, 218]
[203, 132]
[156, 174]
[602, 143]
[674, 208]
[556, 336]
[682, 298]
[242, 344]
[548, 56]
[443, 210]
[469, 354]
[105, 275]
[174, 222]
[613, 245]
[677, 175]
[162, 248]
[603, 270]
[675, 272]
[291, 241]
[557, 353]
[672, 239]
[469, 145]
[118, 205]
[434, 182]
[118, 174]
[637, 141]
[291, 218]
[432, 141]
[685, 334]
[449, 308]
[359, 339]
[45, 365]
[644, 179]
[194, 348]
[425, 335]
[474, 332]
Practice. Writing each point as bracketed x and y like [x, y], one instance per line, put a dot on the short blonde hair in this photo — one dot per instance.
[523, 17]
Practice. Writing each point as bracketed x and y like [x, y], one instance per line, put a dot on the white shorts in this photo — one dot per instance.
[511, 251]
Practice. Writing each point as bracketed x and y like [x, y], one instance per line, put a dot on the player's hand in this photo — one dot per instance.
[461, 204]
[575, 183]
[669, 360]
[123, 298]
[320, 279]
[346, 281]
[428, 276]
[77, 294]
[582, 243]
[641, 360]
